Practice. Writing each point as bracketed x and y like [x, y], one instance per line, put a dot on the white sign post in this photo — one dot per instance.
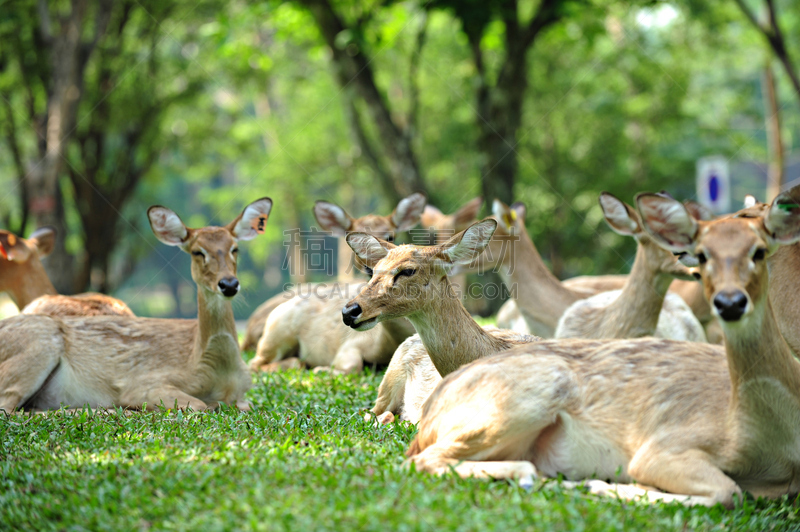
[714, 183]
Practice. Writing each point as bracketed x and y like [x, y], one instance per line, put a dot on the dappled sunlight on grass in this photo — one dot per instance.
[304, 458]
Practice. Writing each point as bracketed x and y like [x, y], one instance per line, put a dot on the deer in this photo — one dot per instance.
[411, 281]
[22, 275]
[642, 307]
[335, 220]
[539, 297]
[688, 422]
[309, 326]
[104, 361]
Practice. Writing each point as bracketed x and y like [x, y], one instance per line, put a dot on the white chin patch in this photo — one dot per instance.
[367, 325]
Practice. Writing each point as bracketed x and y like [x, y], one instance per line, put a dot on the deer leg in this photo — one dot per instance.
[276, 344]
[166, 396]
[437, 459]
[23, 373]
[349, 359]
[689, 476]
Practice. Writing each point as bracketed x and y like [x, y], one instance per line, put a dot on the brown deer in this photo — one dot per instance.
[697, 423]
[22, 275]
[411, 281]
[338, 222]
[642, 307]
[539, 297]
[103, 361]
[309, 326]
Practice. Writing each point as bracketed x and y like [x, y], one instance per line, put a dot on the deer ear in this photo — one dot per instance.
[44, 239]
[251, 222]
[505, 215]
[167, 226]
[783, 217]
[332, 218]
[698, 210]
[465, 247]
[668, 222]
[407, 213]
[467, 213]
[619, 216]
[13, 248]
[369, 249]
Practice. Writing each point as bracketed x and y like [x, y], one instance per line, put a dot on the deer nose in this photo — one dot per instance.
[730, 305]
[229, 286]
[350, 314]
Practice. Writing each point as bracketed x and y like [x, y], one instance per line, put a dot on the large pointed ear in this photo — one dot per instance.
[13, 248]
[465, 247]
[406, 214]
[668, 222]
[332, 218]
[620, 216]
[251, 222]
[167, 226]
[467, 213]
[698, 210]
[783, 217]
[369, 249]
[44, 239]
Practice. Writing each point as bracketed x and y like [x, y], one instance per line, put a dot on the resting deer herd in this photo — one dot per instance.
[626, 397]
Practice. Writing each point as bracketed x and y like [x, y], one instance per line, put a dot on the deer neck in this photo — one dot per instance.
[33, 283]
[345, 263]
[760, 362]
[635, 312]
[449, 334]
[538, 292]
[215, 342]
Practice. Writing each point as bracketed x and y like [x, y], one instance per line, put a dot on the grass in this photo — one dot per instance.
[304, 459]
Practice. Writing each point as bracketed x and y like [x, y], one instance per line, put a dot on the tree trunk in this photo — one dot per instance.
[772, 118]
[353, 68]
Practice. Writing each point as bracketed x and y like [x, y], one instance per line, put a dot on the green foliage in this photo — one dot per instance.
[303, 459]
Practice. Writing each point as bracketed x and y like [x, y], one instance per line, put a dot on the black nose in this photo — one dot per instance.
[229, 286]
[730, 305]
[350, 313]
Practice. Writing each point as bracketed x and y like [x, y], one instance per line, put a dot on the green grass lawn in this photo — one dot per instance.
[303, 459]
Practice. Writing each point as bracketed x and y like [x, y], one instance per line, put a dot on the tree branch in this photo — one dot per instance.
[413, 81]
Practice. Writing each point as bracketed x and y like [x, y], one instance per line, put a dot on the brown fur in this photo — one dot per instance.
[699, 423]
[447, 336]
[337, 221]
[103, 361]
[22, 275]
[639, 308]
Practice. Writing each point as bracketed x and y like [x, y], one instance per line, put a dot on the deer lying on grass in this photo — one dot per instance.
[412, 281]
[643, 307]
[309, 324]
[22, 275]
[103, 361]
[540, 298]
[699, 422]
[335, 220]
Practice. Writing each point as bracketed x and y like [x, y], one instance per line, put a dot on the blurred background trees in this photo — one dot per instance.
[109, 106]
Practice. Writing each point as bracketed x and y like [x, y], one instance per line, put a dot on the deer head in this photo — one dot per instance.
[731, 251]
[213, 249]
[20, 258]
[406, 215]
[444, 226]
[404, 279]
[625, 221]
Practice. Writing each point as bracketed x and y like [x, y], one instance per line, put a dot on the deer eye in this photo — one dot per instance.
[198, 254]
[390, 238]
[701, 258]
[759, 254]
[234, 251]
[408, 272]
[368, 271]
